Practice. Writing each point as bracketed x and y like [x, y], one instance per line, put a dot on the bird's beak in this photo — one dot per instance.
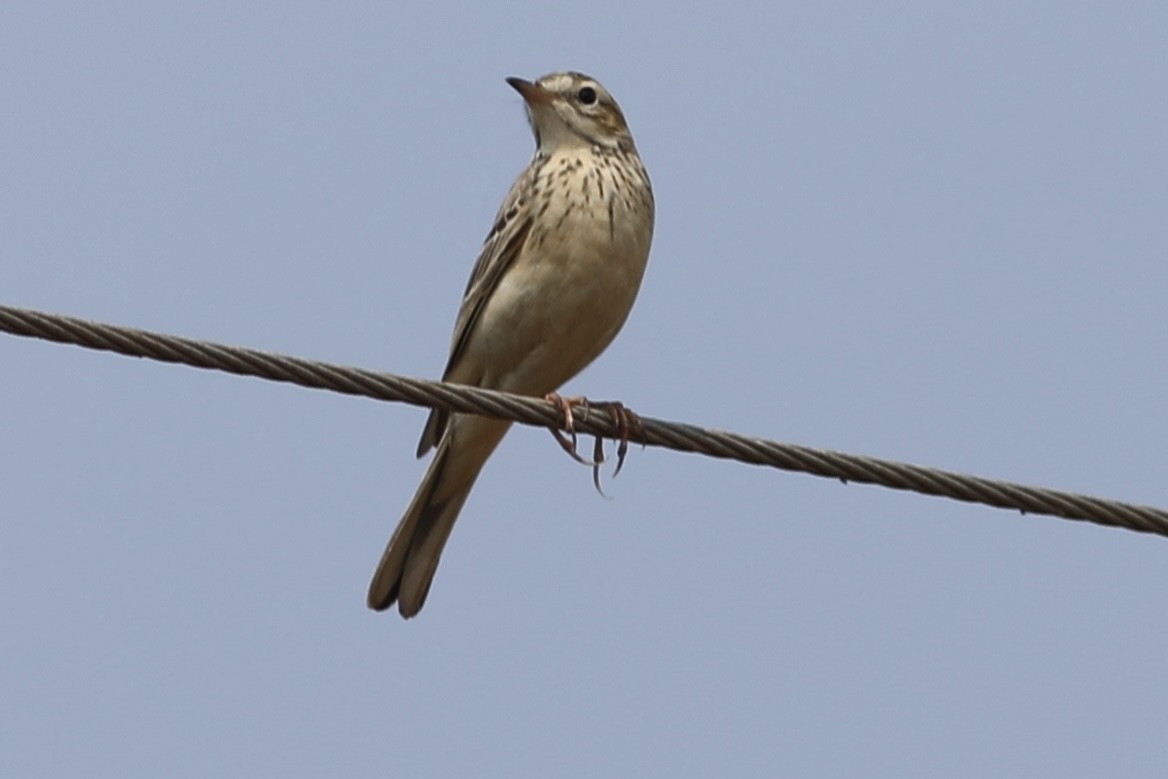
[532, 93]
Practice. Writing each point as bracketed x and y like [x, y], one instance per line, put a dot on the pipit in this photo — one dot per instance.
[553, 284]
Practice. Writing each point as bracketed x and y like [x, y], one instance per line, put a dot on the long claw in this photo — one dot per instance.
[621, 450]
[629, 423]
[568, 443]
[597, 459]
[569, 446]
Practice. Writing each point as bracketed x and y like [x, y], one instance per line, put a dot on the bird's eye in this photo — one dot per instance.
[586, 95]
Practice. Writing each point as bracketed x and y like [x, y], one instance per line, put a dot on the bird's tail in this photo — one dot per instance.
[407, 567]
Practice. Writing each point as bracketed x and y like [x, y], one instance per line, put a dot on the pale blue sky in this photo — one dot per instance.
[921, 231]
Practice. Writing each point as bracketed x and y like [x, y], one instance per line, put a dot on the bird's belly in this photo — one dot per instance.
[556, 312]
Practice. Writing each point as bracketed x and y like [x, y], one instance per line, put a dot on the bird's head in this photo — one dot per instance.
[571, 109]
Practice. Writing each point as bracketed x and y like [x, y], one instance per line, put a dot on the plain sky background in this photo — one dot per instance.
[933, 232]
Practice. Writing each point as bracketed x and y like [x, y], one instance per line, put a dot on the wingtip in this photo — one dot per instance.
[432, 432]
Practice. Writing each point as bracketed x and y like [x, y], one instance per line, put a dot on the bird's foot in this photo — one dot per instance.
[627, 422]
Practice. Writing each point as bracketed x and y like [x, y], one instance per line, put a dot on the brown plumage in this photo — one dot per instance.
[553, 284]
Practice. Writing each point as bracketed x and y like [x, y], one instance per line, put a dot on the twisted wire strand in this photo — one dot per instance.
[599, 422]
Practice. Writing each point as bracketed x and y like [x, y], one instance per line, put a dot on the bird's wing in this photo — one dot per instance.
[503, 244]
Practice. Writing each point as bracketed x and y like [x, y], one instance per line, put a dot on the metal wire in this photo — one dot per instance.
[540, 413]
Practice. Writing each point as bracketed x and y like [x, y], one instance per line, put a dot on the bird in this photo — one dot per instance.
[554, 282]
